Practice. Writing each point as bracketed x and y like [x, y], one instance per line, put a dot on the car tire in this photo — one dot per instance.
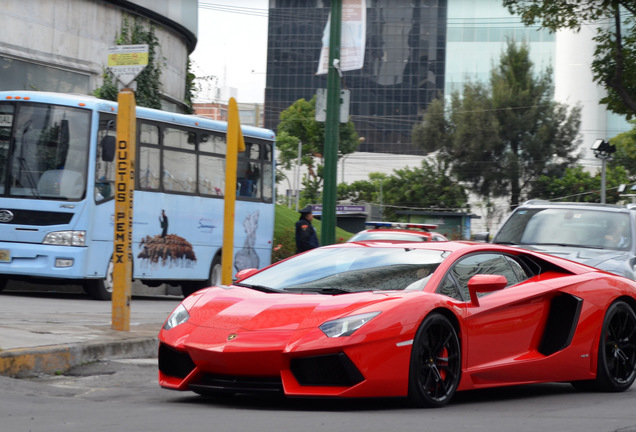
[101, 289]
[616, 369]
[435, 368]
[190, 287]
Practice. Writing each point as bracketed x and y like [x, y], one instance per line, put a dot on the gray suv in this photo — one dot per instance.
[599, 235]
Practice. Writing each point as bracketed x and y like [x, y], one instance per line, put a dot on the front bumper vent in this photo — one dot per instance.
[209, 384]
[174, 363]
[326, 370]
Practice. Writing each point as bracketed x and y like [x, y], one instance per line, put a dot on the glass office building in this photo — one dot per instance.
[417, 50]
[403, 70]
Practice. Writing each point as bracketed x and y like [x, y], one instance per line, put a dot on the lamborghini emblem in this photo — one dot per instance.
[232, 336]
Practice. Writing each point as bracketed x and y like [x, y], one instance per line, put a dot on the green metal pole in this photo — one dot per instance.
[332, 129]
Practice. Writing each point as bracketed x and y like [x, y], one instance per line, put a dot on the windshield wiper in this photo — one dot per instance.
[261, 288]
[321, 290]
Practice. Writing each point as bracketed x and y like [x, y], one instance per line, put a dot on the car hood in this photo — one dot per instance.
[247, 309]
[617, 262]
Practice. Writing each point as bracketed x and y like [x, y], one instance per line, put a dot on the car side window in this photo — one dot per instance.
[448, 287]
[484, 263]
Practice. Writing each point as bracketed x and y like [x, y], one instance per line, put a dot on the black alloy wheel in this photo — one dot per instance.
[617, 349]
[435, 368]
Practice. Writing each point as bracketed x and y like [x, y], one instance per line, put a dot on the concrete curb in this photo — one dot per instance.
[25, 362]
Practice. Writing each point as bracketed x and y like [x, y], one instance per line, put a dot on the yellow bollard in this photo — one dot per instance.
[124, 189]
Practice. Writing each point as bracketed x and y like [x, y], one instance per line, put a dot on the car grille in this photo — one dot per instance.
[326, 370]
[230, 384]
[38, 218]
[174, 363]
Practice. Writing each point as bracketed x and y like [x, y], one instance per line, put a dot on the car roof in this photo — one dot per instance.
[578, 205]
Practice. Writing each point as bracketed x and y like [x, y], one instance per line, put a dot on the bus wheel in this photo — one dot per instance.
[3, 283]
[101, 289]
[188, 287]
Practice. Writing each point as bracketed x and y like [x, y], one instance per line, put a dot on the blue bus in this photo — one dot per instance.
[57, 178]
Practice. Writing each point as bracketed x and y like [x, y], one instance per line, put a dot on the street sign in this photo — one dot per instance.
[321, 105]
[127, 61]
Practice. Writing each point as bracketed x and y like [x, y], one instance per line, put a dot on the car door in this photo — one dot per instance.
[505, 327]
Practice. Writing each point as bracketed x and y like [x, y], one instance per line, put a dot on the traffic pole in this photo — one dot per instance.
[235, 145]
[332, 129]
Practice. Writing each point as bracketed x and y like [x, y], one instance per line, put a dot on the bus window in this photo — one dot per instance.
[179, 171]
[148, 164]
[178, 138]
[211, 143]
[211, 175]
[268, 190]
[6, 122]
[148, 134]
[49, 159]
[105, 168]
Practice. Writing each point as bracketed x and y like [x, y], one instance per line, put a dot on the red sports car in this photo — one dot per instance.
[416, 320]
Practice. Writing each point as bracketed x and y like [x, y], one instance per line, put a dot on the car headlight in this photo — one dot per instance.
[66, 238]
[348, 325]
[177, 317]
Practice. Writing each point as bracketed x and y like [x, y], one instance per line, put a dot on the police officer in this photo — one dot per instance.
[306, 237]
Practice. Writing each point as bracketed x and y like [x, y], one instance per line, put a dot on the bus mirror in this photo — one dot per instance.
[108, 148]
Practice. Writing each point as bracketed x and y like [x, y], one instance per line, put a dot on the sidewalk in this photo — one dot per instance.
[49, 332]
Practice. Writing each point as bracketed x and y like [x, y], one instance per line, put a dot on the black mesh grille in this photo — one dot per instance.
[222, 383]
[326, 370]
[174, 363]
[40, 218]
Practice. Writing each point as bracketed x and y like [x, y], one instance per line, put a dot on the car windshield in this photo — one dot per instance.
[347, 270]
[567, 227]
[388, 235]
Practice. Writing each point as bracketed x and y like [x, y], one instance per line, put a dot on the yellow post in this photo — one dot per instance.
[235, 144]
[124, 188]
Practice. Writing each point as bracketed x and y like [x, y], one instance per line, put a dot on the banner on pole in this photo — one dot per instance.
[352, 39]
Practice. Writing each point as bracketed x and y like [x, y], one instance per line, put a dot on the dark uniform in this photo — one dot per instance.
[306, 237]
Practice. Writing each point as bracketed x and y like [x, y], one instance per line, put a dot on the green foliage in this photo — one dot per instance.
[499, 136]
[428, 187]
[149, 80]
[614, 65]
[578, 185]
[625, 155]
[190, 88]
[298, 124]
[359, 191]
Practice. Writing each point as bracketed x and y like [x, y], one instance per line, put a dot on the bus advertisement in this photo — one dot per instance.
[57, 180]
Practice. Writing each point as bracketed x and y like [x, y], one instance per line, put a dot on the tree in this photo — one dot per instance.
[625, 155]
[500, 136]
[369, 191]
[429, 187]
[579, 185]
[298, 124]
[614, 65]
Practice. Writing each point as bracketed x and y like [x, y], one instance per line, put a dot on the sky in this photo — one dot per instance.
[232, 48]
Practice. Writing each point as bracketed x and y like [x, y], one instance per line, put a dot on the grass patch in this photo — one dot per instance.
[284, 232]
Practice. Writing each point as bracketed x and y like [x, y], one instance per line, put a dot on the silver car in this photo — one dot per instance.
[599, 235]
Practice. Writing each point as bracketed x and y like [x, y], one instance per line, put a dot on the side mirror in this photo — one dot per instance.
[485, 283]
[245, 273]
[108, 148]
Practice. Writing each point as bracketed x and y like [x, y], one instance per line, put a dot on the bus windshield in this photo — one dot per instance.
[43, 151]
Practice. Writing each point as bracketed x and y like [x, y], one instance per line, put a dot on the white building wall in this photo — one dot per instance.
[75, 35]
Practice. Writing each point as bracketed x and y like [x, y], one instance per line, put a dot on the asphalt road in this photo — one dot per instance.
[124, 396]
